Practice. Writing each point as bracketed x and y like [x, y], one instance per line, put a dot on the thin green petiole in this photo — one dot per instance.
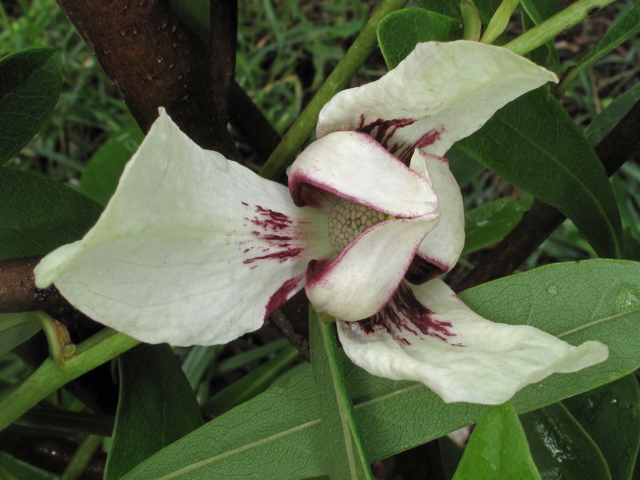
[561, 21]
[359, 51]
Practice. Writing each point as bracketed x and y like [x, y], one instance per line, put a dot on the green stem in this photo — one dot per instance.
[498, 22]
[50, 376]
[326, 328]
[82, 457]
[561, 21]
[359, 51]
[470, 20]
[60, 346]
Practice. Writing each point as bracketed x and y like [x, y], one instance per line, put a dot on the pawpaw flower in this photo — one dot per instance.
[194, 249]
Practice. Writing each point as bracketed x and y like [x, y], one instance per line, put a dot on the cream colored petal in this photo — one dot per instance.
[428, 335]
[442, 247]
[441, 93]
[191, 250]
[366, 274]
[355, 167]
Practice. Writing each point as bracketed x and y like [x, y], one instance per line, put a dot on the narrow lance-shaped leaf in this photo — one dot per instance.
[625, 28]
[560, 446]
[284, 422]
[497, 449]
[611, 416]
[156, 407]
[38, 215]
[489, 223]
[535, 145]
[606, 120]
[30, 83]
[401, 31]
[100, 179]
[346, 458]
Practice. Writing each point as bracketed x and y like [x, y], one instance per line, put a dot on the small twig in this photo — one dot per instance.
[154, 62]
[18, 292]
[541, 221]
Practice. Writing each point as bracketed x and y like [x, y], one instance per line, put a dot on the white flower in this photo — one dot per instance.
[196, 250]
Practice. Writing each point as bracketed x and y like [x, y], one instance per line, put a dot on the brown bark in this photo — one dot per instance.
[18, 292]
[154, 63]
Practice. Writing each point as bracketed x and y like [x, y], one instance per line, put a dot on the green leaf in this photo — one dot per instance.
[497, 449]
[57, 422]
[625, 28]
[156, 407]
[30, 83]
[251, 385]
[24, 470]
[631, 245]
[341, 436]
[401, 31]
[448, 8]
[606, 120]
[21, 330]
[534, 144]
[38, 215]
[490, 223]
[611, 416]
[463, 166]
[280, 430]
[560, 446]
[100, 179]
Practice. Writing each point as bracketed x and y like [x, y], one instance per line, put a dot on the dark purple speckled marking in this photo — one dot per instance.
[277, 231]
[405, 312]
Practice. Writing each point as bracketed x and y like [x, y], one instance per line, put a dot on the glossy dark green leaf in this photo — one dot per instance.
[611, 416]
[38, 215]
[444, 7]
[560, 446]
[401, 31]
[30, 83]
[606, 120]
[100, 179]
[20, 331]
[341, 435]
[497, 449]
[280, 429]
[490, 223]
[156, 407]
[463, 166]
[534, 144]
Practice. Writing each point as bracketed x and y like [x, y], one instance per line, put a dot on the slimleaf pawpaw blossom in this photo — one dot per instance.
[196, 250]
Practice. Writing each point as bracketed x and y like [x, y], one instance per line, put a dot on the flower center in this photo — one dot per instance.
[349, 219]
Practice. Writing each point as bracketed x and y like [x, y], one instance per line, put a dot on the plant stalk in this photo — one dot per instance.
[561, 21]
